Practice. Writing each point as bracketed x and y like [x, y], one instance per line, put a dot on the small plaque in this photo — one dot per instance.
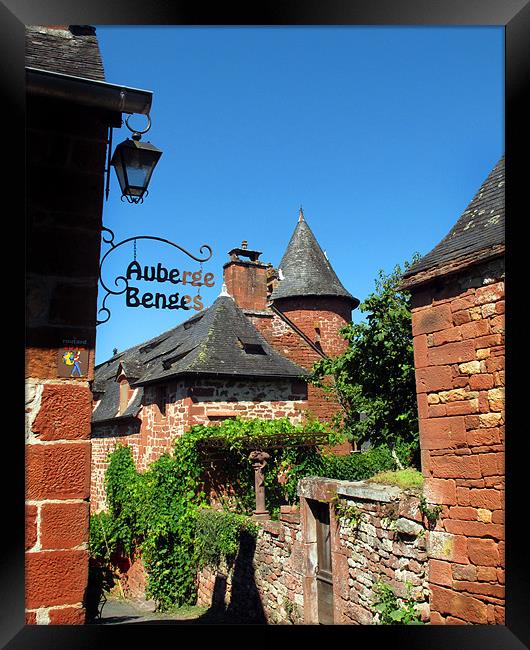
[72, 363]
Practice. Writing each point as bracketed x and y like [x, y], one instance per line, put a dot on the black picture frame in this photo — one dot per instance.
[514, 15]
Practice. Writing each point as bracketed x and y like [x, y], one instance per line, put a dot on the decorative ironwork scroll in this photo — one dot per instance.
[122, 280]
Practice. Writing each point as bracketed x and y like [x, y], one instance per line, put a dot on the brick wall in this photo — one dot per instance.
[273, 580]
[320, 319]
[65, 164]
[458, 328]
[204, 401]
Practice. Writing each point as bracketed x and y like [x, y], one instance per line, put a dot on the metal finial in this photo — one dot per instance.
[244, 244]
[301, 214]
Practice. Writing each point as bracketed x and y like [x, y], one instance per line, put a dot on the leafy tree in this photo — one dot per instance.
[375, 375]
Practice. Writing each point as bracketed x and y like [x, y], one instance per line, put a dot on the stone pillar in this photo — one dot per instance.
[259, 460]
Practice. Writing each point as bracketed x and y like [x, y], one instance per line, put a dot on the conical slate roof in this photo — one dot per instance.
[479, 230]
[305, 269]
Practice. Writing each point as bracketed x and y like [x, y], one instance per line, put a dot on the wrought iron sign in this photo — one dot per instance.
[134, 297]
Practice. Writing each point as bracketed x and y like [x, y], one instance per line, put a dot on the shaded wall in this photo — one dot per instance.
[66, 147]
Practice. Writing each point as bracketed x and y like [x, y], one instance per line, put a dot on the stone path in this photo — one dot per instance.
[117, 611]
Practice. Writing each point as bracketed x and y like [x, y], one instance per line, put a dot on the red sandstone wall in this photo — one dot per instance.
[246, 282]
[65, 171]
[458, 329]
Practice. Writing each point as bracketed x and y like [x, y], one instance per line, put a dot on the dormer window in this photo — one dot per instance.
[124, 396]
[251, 346]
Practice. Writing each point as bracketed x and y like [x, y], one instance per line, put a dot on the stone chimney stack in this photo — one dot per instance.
[246, 279]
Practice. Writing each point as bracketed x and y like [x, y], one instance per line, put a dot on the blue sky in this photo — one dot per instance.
[382, 134]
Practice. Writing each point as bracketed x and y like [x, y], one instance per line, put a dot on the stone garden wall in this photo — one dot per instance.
[274, 577]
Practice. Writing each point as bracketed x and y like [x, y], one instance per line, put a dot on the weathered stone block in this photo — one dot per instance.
[449, 602]
[56, 578]
[433, 378]
[440, 491]
[408, 527]
[442, 433]
[444, 546]
[483, 552]
[64, 525]
[65, 412]
[58, 471]
[432, 319]
[452, 353]
[68, 616]
[31, 526]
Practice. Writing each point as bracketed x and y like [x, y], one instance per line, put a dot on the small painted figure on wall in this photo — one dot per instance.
[71, 358]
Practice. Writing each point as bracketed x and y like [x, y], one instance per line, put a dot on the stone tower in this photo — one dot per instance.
[310, 305]
[309, 294]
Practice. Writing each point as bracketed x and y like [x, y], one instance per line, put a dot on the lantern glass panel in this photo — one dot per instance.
[134, 163]
[138, 168]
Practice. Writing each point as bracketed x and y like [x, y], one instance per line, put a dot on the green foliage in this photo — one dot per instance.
[393, 610]
[375, 375]
[357, 466]
[217, 535]
[431, 514]
[348, 511]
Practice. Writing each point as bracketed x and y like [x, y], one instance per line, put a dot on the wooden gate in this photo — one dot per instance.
[324, 574]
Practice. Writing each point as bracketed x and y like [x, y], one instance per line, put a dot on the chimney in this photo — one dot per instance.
[246, 279]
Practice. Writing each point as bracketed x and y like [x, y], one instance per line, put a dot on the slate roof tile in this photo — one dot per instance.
[73, 51]
[479, 228]
[305, 269]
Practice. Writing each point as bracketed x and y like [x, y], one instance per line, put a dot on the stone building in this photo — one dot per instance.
[247, 355]
[458, 328]
[70, 111]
